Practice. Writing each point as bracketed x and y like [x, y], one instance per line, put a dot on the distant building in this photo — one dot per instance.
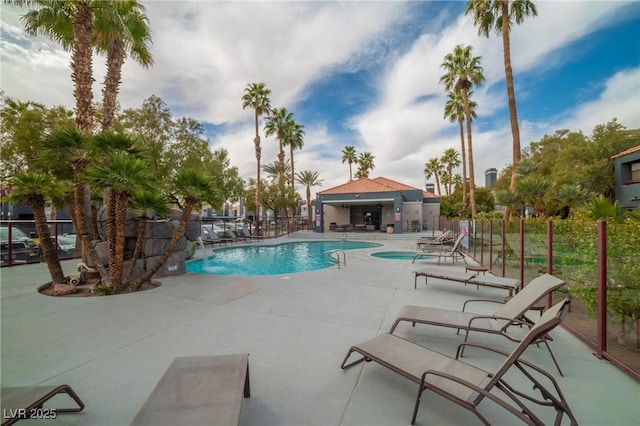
[490, 176]
[627, 178]
[376, 205]
[430, 187]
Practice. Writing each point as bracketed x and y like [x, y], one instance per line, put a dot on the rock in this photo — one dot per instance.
[63, 289]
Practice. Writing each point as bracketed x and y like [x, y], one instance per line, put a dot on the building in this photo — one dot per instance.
[490, 177]
[627, 178]
[378, 204]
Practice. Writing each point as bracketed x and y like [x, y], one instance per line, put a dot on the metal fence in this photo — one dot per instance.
[599, 262]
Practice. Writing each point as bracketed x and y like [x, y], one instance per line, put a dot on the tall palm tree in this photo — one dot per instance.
[500, 15]
[256, 97]
[365, 164]
[450, 158]
[71, 24]
[273, 170]
[454, 110]
[294, 138]
[309, 178]
[463, 71]
[277, 122]
[349, 155]
[121, 29]
[35, 189]
[434, 167]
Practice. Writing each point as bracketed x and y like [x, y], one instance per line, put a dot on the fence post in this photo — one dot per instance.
[504, 247]
[521, 253]
[602, 289]
[549, 257]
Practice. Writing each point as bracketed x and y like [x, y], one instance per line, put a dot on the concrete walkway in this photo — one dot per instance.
[297, 329]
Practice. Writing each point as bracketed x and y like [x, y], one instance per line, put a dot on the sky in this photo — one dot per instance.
[360, 73]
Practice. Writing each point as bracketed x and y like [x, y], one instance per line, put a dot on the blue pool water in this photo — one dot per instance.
[285, 258]
[396, 255]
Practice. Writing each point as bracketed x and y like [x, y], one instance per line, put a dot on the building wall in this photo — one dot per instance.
[627, 183]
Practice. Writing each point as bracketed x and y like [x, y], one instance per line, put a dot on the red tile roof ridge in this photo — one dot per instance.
[628, 151]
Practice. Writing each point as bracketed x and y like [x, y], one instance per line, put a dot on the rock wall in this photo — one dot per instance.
[158, 235]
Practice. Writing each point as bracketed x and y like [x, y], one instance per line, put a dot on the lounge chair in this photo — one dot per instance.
[244, 233]
[454, 253]
[467, 385]
[27, 402]
[197, 391]
[440, 240]
[509, 284]
[510, 313]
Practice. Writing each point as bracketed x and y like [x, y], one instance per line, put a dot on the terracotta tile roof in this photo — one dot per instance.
[628, 151]
[367, 185]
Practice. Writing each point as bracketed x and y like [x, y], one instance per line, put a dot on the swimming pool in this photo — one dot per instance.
[285, 258]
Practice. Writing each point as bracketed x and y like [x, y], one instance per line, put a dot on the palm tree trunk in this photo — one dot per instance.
[49, 250]
[310, 217]
[464, 163]
[472, 189]
[292, 171]
[81, 65]
[511, 95]
[256, 142]
[142, 228]
[115, 59]
[186, 213]
[120, 222]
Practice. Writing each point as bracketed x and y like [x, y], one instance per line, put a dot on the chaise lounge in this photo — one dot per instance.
[27, 402]
[453, 253]
[468, 386]
[509, 284]
[510, 313]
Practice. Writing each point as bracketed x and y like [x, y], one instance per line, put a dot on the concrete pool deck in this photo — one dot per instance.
[297, 329]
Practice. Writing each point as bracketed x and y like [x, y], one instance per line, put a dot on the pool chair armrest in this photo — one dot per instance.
[464, 306]
[424, 384]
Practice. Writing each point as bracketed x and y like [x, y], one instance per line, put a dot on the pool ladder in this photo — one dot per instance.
[333, 256]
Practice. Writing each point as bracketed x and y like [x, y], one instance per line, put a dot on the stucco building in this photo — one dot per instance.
[378, 204]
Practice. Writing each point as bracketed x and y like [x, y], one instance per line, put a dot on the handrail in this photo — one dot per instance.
[328, 256]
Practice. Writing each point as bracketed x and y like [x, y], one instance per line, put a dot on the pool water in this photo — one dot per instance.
[285, 258]
[395, 255]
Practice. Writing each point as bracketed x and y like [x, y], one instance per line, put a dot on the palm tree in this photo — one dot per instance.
[69, 23]
[144, 202]
[121, 28]
[121, 175]
[35, 189]
[500, 15]
[294, 138]
[454, 110]
[256, 97]
[277, 122]
[68, 146]
[309, 178]
[531, 190]
[571, 195]
[450, 159]
[196, 187]
[463, 71]
[273, 170]
[434, 167]
[365, 164]
[349, 155]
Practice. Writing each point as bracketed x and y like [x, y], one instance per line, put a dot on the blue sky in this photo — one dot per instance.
[360, 73]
